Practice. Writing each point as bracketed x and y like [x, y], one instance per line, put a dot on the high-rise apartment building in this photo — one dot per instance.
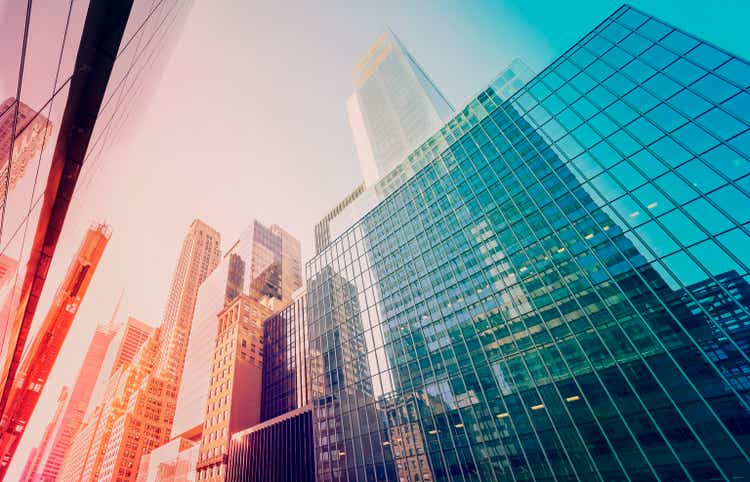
[559, 293]
[31, 472]
[39, 359]
[52, 454]
[264, 263]
[234, 391]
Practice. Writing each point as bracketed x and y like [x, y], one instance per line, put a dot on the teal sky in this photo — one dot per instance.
[248, 121]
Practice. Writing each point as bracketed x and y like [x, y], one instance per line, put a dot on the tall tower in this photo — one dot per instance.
[395, 107]
[128, 421]
[42, 353]
[199, 256]
[52, 456]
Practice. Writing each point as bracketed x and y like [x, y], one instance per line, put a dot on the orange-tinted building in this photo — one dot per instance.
[234, 399]
[42, 353]
[92, 446]
[134, 334]
[139, 403]
[201, 253]
[55, 445]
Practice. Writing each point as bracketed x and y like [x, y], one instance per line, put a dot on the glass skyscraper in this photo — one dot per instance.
[394, 108]
[559, 294]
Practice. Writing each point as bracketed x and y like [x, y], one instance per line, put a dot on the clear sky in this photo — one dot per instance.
[248, 121]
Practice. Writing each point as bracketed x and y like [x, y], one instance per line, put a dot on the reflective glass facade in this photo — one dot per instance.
[394, 108]
[73, 76]
[561, 293]
[286, 367]
[122, 46]
[354, 206]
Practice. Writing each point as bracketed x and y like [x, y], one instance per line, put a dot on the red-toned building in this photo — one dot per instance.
[38, 361]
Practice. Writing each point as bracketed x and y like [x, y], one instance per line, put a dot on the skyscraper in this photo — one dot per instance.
[200, 254]
[264, 263]
[52, 456]
[39, 359]
[123, 350]
[394, 108]
[137, 410]
[560, 292]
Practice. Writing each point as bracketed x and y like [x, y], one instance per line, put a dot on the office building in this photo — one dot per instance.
[286, 369]
[559, 293]
[394, 108]
[264, 263]
[39, 359]
[280, 447]
[143, 421]
[52, 454]
[131, 399]
[278, 450]
[234, 391]
[200, 254]
[122, 351]
[134, 335]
